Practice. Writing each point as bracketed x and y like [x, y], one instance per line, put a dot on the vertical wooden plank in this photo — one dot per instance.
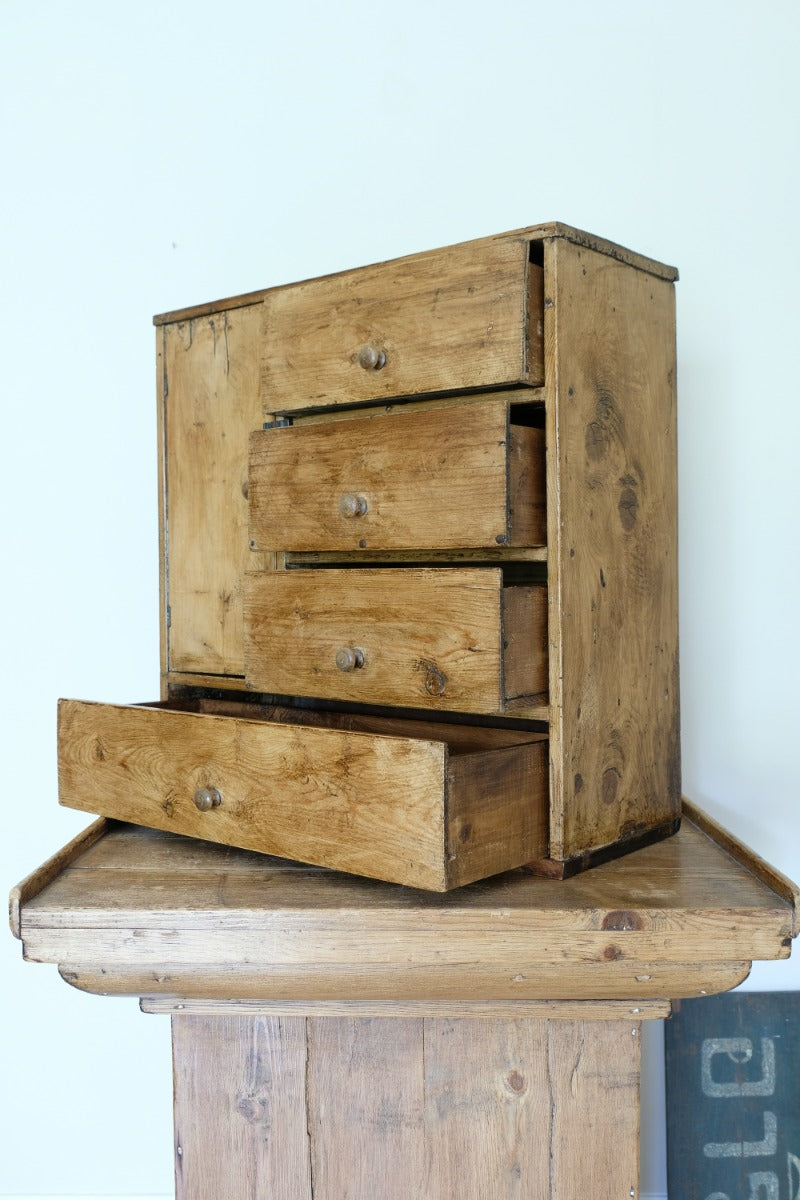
[487, 1109]
[365, 1108]
[352, 1109]
[163, 598]
[612, 552]
[593, 1071]
[211, 404]
[240, 1118]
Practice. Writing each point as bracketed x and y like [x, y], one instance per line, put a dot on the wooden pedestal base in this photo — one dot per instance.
[381, 1108]
[340, 1039]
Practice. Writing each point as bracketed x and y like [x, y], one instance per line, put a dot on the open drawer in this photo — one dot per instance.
[442, 478]
[461, 319]
[454, 639]
[407, 801]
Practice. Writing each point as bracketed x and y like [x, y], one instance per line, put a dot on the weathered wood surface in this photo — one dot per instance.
[459, 319]
[208, 405]
[240, 1118]
[340, 1108]
[446, 477]
[490, 985]
[779, 883]
[428, 638]
[531, 233]
[32, 884]
[511, 1010]
[606, 384]
[188, 918]
[612, 552]
[404, 801]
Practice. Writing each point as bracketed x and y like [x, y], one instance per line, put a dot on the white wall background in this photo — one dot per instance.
[160, 154]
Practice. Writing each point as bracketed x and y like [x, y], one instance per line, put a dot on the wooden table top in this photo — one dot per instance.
[132, 911]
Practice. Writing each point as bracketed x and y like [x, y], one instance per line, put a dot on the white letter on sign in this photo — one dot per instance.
[768, 1144]
[738, 1050]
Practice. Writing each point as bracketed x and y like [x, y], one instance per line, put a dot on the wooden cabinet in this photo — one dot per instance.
[433, 495]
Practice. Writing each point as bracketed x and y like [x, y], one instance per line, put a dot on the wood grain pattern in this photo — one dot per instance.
[445, 321]
[32, 884]
[488, 1108]
[403, 985]
[512, 1010]
[170, 915]
[341, 1108]
[450, 477]
[593, 1076]
[240, 1127]
[612, 555]
[429, 638]
[373, 797]
[769, 875]
[209, 403]
[365, 1100]
[531, 233]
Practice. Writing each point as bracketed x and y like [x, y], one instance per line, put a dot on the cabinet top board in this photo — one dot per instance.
[531, 233]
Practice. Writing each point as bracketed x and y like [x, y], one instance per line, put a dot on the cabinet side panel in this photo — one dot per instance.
[614, 539]
[210, 399]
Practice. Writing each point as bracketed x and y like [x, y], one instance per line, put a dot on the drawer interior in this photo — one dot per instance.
[458, 737]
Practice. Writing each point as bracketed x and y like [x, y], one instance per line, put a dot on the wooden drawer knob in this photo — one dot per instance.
[349, 658]
[371, 358]
[351, 505]
[206, 798]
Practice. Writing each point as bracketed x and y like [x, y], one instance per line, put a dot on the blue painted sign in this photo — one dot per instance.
[733, 1097]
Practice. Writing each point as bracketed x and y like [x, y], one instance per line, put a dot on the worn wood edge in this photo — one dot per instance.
[630, 982]
[523, 396]
[746, 857]
[311, 558]
[632, 258]
[547, 229]
[234, 683]
[443, 398]
[551, 868]
[555, 535]
[192, 311]
[162, 385]
[543, 1010]
[34, 883]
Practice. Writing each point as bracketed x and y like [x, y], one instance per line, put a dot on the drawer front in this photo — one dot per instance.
[460, 319]
[406, 806]
[445, 478]
[449, 639]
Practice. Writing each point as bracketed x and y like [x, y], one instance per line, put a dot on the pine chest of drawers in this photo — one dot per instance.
[419, 569]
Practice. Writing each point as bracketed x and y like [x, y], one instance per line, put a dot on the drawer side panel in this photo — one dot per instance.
[497, 813]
